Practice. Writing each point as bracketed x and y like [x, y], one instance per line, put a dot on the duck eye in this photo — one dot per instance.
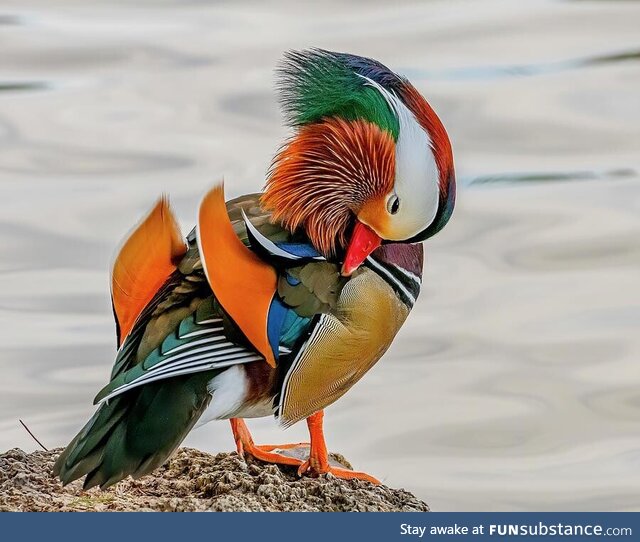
[393, 204]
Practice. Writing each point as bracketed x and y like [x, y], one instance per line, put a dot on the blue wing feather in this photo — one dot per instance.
[292, 328]
[301, 250]
[277, 314]
[284, 326]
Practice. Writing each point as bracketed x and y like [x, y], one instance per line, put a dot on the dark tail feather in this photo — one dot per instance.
[134, 433]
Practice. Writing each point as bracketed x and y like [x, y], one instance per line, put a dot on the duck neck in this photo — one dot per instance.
[400, 265]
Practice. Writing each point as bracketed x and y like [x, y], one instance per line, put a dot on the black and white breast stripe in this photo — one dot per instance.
[404, 283]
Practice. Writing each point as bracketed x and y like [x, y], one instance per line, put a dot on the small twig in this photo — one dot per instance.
[33, 436]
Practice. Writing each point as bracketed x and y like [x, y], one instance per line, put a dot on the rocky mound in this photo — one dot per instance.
[194, 481]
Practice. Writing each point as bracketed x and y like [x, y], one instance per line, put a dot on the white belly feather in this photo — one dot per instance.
[229, 391]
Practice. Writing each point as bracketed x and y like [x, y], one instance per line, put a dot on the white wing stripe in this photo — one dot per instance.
[210, 321]
[202, 348]
[188, 370]
[200, 332]
[216, 338]
[220, 348]
[239, 353]
[269, 245]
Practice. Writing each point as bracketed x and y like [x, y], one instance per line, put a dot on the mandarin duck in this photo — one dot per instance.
[277, 303]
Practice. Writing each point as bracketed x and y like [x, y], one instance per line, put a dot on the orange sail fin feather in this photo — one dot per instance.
[148, 257]
[243, 284]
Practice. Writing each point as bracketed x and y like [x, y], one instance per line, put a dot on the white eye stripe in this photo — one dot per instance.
[417, 174]
[391, 99]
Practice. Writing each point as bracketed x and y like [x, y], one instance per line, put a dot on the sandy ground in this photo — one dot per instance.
[194, 481]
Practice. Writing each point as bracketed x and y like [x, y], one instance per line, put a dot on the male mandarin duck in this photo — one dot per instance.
[276, 303]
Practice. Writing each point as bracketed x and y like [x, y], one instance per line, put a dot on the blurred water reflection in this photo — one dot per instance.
[515, 383]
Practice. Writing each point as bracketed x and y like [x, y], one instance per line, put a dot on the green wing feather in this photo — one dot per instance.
[200, 342]
[135, 433]
[314, 289]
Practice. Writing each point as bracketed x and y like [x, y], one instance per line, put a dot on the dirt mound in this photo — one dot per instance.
[194, 481]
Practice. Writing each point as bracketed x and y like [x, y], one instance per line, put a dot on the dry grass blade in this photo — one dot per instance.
[33, 436]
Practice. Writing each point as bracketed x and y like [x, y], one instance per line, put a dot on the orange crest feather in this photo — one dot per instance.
[325, 174]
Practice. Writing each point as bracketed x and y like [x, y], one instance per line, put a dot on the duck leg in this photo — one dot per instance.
[318, 462]
[269, 453]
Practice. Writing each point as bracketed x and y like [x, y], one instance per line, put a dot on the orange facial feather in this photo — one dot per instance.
[243, 283]
[326, 173]
[373, 214]
[144, 262]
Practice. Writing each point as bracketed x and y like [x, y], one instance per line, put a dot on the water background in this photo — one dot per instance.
[515, 384]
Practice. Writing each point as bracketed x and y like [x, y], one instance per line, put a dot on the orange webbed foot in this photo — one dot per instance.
[318, 462]
[269, 453]
[339, 472]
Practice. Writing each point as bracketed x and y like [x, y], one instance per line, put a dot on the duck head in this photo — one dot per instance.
[369, 160]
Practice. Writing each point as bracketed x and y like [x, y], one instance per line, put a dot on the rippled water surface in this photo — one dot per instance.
[515, 383]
